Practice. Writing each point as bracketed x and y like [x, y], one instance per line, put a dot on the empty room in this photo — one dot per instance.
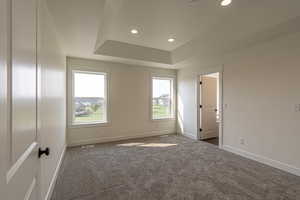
[150, 100]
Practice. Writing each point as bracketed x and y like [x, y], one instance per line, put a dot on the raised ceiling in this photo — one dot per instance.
[100, 29]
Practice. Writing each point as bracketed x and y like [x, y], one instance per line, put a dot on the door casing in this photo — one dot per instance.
[221, 114]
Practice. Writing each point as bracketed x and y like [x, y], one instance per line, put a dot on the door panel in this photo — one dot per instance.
[4, 43]
[22, 182]
[23, 76]
[22, 172]
[208, 117]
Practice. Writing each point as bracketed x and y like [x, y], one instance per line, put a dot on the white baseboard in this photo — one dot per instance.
[53, 180]
[119, 138]
[190, 135]
[273, 163]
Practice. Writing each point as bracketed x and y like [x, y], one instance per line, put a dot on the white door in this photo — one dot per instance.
[208, 107]
[21, 164]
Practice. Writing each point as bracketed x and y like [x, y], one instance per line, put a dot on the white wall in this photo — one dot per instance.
[52, 98]
[129, 104]
[261, 87]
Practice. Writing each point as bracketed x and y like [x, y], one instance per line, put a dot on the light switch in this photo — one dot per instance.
[297, 107]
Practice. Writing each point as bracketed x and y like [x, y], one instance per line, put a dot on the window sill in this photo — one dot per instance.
[90, 125]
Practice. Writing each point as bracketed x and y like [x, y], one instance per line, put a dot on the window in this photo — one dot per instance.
[89, 98]
[162, 98]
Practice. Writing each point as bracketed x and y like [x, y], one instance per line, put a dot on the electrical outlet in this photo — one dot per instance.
[297, 107]
[242, 141]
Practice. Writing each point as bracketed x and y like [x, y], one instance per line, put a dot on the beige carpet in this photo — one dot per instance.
[168, 168]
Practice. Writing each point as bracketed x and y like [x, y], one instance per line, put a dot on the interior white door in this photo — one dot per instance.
[21, 149]
[208, 111]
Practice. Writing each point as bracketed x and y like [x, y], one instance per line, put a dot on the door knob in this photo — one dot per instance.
[45, 151]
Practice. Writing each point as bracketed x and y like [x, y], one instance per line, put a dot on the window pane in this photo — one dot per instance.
[161, 98]
[89, 98]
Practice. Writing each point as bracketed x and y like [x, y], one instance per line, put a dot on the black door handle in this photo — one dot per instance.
[45, 151]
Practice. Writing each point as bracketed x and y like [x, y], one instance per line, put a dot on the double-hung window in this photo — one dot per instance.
[162, 98]
[89, 97]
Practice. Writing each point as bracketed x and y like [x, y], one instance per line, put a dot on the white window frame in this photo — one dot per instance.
[173, 101]
[72, 101]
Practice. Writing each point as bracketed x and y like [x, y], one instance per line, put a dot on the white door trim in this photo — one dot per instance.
[220, 71]
[55, 175]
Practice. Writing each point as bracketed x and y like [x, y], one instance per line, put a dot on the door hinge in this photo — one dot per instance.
[200, 82]
[200, 129]
[200, 106]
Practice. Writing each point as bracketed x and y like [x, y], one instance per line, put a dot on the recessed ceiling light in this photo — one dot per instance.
[226, 2]
[134, 31]
[171, 40]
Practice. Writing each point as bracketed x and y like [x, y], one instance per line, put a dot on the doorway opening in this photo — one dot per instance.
[209, 109]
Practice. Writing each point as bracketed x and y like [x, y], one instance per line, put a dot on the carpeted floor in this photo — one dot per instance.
[168, 168]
